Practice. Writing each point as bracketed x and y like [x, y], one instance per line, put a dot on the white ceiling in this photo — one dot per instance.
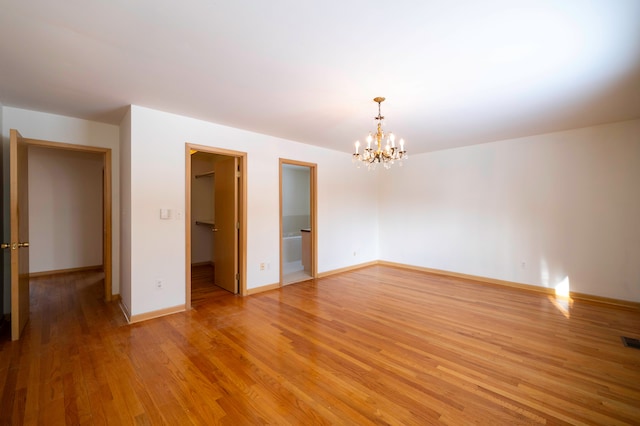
[454, 73]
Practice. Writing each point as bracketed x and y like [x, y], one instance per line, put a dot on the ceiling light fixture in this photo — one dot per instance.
[388, 155]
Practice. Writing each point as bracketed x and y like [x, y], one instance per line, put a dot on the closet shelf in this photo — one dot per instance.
[205, 223]
[207, 174]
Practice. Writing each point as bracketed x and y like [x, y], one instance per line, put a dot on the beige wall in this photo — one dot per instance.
[65, 209]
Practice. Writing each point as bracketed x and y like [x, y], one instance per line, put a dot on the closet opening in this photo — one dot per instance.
[215, 218]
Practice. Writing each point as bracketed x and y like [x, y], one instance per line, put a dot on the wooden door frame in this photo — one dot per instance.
[107, 201]
[242, 215]
[313, 200]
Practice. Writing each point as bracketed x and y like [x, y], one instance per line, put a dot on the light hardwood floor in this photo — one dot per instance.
[203, 287]
[378, 345]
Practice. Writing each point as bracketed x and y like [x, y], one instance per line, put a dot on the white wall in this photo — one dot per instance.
[57, 128]
[347, 215]
[125, 210]
[65, 209]
[565, 204]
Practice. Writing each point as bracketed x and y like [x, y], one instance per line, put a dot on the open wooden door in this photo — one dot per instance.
[225, 256]
[19, 208]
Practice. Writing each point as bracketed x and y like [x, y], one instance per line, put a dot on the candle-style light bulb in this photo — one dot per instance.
[392, 138]
[369, 139]
[401, 144]
[357, 146]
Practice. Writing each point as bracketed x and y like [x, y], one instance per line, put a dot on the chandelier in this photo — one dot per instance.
[372, 156]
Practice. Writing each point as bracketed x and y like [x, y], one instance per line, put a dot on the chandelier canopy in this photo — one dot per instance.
[388, 155]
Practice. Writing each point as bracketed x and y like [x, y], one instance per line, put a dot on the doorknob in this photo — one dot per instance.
[214, 229]
[4, 245]
[26, 244]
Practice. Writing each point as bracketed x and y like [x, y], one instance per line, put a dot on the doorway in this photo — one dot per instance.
[297, 221]
[19, 204]
[215, 222]
[105, 154]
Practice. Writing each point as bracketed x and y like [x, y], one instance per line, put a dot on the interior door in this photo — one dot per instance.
[19, 208]
[225, 254]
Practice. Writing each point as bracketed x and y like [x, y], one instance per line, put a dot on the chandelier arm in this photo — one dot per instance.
[374, 155]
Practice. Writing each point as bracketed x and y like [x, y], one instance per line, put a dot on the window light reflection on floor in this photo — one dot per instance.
[562, 300]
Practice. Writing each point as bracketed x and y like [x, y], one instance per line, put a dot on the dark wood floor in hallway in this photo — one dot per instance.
[378, 345]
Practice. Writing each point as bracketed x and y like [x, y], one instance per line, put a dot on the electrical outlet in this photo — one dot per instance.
[523, 265]
[354, 253]
[262, 266]
[159, 284]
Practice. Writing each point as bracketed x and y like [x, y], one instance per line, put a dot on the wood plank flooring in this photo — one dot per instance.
[203, 287]
[378, 345]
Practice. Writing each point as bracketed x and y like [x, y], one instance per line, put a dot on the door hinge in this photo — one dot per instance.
[237, 225]
[237, 277]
